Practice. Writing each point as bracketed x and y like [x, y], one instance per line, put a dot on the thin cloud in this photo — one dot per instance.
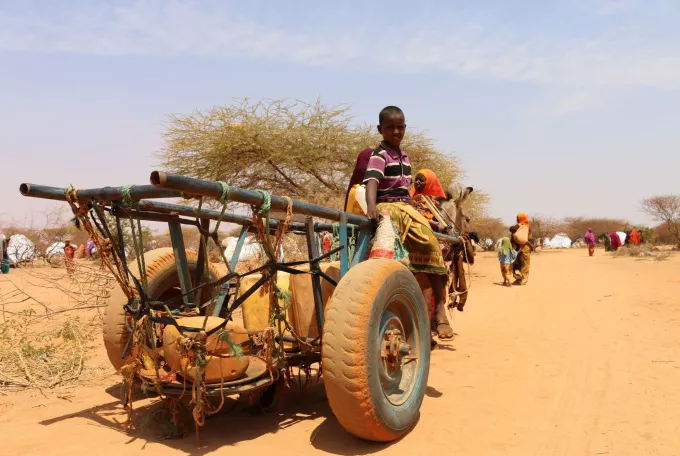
[573, 103]
[467, 48]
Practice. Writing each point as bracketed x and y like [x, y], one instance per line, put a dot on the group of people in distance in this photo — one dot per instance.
[612, 241]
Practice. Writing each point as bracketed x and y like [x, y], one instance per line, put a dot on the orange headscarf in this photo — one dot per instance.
[432, 188]
[522, 219]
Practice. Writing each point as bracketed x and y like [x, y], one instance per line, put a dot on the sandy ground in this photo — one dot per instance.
[582, 361]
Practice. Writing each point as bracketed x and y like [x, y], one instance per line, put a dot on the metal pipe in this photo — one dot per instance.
[188, 211]
[181, 261]
[152, 217]
[316, 280]
[57, 194]
[209, 189]
[212, 189]
[201, 187]
[137, 192]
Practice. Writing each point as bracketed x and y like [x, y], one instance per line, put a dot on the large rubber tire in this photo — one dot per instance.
[366, 299]
[163, 283]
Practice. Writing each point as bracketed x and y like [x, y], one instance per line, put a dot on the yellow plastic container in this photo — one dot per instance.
[256, 307]
[353, 206]
[221, 363]
[301, 313]
[304, 313]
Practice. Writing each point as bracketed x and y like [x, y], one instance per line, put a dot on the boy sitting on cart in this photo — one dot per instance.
[387, 179]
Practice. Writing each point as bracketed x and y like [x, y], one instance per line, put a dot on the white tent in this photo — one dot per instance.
[21, 249]
[56, 249]
[250, 250]
[578, 244]
[560, 241]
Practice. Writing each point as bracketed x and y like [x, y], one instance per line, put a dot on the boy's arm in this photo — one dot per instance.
[371, 196]
[375, 172]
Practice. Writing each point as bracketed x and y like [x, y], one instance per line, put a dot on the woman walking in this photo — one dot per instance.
[589, 237]
[521, 239]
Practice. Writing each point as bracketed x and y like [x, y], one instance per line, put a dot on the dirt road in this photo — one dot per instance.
[585, 360]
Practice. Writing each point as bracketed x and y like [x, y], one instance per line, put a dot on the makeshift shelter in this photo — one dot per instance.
[250, 249]
[21, 249]
[578, 243]
[545, 244]
[56, 249]
[559, 241]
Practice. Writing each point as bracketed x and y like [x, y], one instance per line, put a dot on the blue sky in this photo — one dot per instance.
[581, 97]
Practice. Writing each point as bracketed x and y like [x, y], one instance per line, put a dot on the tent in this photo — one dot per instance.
[559, 241]
[250, 250]
[56, 249]
[21, 249]
[546, 242]
[485, 244]
[578, 243]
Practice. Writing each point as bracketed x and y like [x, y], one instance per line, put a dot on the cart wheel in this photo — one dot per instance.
[163, 284]
[376, 350]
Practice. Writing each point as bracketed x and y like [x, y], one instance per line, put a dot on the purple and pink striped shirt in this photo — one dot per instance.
[391, 168]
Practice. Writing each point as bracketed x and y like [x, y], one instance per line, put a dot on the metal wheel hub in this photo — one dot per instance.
[398, 365]
[395, 349]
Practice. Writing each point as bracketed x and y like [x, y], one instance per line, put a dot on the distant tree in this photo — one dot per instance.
[489, 228]
[542, 226]
[302, 150]
[663, 235]
[577, 226]
[665, 209]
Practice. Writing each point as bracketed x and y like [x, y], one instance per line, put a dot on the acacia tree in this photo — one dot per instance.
[302, 150]
[543, 227]
[665, 209]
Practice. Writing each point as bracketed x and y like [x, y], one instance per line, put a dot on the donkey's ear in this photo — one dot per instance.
[467, 192]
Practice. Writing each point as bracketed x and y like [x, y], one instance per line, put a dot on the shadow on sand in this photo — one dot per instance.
[239, 421]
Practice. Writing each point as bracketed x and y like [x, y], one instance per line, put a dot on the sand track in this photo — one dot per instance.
[582, 361]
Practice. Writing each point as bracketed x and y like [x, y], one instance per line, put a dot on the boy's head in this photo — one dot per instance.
[67, 241]
[392, 125]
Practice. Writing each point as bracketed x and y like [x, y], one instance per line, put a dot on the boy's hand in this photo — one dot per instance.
[371, 193]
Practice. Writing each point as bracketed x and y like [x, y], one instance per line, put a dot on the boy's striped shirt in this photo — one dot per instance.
[391, 168]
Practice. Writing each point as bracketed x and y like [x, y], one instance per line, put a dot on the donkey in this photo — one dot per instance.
[454, 209]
